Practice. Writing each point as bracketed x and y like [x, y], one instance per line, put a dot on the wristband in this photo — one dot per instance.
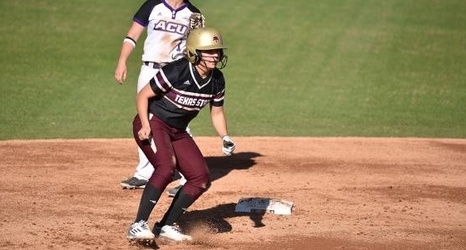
[130, 41]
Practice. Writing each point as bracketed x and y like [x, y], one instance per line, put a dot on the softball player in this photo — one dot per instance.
[165, 107]
[167, 23]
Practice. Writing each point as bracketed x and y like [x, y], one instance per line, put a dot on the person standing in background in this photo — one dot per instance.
[168, 23]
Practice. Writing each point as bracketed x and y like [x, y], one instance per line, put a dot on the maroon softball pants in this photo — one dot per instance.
[175, 148]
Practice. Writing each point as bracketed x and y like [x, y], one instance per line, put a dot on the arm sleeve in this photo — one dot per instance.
[219, 90]
[142, 15]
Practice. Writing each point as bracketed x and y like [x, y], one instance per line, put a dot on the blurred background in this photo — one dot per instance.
[332, 68]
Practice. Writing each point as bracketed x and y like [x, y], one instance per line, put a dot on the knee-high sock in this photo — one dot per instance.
[149, 198]
[180, 204]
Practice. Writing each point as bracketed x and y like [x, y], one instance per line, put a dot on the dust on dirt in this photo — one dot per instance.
[348, 193]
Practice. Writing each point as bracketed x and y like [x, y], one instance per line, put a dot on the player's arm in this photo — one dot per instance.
[129, 43]
[220, 124]
[218, 120]
[142, 104]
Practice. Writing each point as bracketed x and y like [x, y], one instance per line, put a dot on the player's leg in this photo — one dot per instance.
[173, 191]
[144, 169]
[143, 172]
[182, 180]
[193, 166]
[162, 157]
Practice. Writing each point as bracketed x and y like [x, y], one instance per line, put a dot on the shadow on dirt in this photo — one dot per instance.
[213, 220]
[221, 165]
[215, 217]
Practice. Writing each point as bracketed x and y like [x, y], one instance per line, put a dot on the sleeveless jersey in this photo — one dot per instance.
[181, 92]
[166, 29]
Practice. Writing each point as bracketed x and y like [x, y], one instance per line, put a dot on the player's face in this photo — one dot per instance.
[210, 58]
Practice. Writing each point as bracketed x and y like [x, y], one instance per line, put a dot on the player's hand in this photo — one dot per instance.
[228, 146]
[120, 73]
[144, 133]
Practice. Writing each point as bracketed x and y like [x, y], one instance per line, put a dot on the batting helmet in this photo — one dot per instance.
[204, 39]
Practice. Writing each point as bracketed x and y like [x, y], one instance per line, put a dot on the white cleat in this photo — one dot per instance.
[140, 232]
[173, 232]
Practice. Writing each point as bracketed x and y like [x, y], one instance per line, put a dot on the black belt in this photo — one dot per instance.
[152, 64]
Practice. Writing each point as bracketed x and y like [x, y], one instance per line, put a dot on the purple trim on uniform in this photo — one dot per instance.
[176, 10]
[142, 15]
[143, 24]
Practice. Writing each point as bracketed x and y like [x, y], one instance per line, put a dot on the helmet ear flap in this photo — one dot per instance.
[194, 58]
[198, 56]
[221, 55]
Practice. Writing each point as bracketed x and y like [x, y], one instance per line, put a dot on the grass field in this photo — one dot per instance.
[296, 68]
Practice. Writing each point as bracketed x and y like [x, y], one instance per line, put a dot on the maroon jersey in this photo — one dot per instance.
[182, 93]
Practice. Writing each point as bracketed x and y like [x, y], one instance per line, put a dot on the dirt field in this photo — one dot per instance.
[349, 193]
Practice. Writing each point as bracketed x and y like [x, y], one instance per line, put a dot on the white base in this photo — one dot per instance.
[264, 205]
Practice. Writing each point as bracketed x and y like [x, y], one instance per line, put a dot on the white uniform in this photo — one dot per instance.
[165, 42]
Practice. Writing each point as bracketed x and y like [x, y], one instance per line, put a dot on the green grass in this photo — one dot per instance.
[296, 68]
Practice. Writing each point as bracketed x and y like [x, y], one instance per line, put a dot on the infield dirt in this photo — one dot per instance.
[349, 193]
